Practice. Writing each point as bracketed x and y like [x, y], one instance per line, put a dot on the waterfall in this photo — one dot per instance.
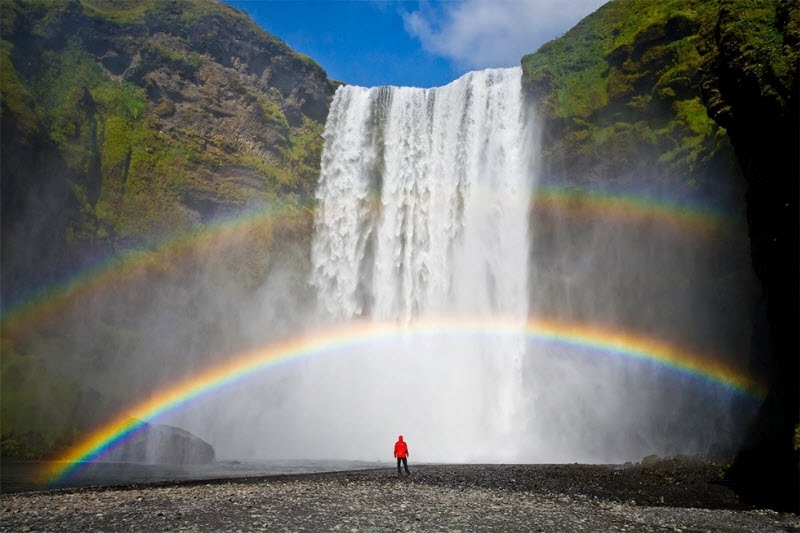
[423, 220]
[422, 213]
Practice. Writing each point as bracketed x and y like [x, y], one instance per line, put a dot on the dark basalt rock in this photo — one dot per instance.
[162, 444]
[750, 86]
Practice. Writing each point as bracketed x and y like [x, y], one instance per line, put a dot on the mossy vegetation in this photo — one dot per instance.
[16, 98]
[624, 82]
[303, 155]
[30, 432]
[137, 124]
[123, 13]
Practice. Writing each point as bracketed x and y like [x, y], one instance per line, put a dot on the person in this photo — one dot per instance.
[401, 453]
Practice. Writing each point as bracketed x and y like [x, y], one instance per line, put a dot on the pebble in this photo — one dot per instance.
[363, 503]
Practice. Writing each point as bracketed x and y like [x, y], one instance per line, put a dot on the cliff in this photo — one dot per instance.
[750, 86]
[622, 118]
[697, 101]
[123, 123]
[131, 132]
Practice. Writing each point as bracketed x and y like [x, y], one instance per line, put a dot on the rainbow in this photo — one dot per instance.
[599, 204]
[351, 335]
[132, 265]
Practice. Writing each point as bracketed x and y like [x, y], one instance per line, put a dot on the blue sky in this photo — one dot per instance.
[424, 43]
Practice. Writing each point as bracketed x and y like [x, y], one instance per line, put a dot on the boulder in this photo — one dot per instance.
[162, 444]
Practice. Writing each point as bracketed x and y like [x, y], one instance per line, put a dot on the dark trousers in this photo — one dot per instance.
[405, 464]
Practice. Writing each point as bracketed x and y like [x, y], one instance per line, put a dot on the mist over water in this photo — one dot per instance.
[427, 212]
[423, 207]
[424, 212]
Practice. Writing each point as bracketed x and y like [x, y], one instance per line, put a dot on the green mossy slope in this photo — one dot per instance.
[130, 132]
[620, 97]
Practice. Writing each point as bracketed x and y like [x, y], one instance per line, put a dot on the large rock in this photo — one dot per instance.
[161, 444]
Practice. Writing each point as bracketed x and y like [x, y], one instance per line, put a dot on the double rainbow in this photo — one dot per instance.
[131, 266]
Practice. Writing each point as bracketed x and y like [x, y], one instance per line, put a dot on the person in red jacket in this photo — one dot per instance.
[401, 453]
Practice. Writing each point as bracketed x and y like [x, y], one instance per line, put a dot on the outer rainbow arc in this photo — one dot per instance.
[318, 343]
[123, 268]
[695, 218]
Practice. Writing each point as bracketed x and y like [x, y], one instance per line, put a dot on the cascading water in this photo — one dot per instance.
[423, 220]
[423, 213]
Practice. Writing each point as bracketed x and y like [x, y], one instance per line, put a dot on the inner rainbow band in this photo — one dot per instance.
[351, 335]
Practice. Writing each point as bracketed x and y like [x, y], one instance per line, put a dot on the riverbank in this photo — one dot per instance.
[666, 496]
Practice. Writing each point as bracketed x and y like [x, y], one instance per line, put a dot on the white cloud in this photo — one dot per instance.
[493, 33]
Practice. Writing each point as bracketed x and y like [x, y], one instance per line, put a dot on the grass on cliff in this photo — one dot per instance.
[624, 83]
[579, 65]
[135, 185]
[126, 177]
[144, 175]
[576, 63]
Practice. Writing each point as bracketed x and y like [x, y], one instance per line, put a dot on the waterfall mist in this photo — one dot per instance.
[427, 210]
[424, 211]
[424, 198]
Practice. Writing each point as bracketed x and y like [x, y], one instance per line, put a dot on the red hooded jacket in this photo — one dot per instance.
[400, 448]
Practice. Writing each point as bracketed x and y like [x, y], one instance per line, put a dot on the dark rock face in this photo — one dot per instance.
[750, 85]
[737, 62]
[161, 444]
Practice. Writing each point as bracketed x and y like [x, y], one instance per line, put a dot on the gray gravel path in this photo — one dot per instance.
[435, 499]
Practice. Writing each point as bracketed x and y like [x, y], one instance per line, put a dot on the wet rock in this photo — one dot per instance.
[162, 444]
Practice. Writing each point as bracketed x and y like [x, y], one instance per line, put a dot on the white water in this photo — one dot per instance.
[423, 212]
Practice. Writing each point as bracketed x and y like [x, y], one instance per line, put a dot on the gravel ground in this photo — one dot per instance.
[668, 496]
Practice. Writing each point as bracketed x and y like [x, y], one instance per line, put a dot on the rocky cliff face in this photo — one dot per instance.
[623, 123]
[698, 102]
[125, 125]
[750, 86]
